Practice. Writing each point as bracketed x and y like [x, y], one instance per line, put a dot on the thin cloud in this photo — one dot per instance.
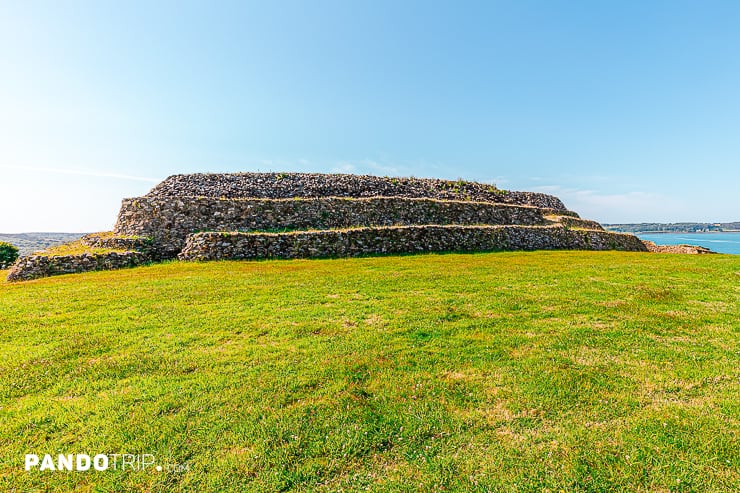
[344, 168]
[97, 174]
[498, 180]
[367, 166]
[275, 165]
[630, 207]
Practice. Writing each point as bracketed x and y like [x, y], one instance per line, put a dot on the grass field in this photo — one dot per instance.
[545, 371]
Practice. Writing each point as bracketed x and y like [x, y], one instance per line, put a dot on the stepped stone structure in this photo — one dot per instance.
[299, 215]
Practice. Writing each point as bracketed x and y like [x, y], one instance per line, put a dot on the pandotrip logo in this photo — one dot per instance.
[99, 463]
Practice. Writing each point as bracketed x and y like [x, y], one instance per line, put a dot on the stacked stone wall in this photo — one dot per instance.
[289, 185]
[575, 222]
[168, 221]
[300, 215]
[402, 239]
[35, 266]
[117, 242]
[682, 249]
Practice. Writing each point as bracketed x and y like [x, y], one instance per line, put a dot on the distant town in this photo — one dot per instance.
[673, 227]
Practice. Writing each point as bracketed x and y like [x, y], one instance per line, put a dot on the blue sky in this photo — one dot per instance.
[629, 111]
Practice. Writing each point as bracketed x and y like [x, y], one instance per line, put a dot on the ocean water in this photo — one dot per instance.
[718, 242]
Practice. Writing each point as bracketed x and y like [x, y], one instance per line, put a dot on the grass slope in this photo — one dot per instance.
[546, 371]
[76, 248]
[28, 243]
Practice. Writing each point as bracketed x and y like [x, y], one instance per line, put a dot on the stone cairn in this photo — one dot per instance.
[300, 215]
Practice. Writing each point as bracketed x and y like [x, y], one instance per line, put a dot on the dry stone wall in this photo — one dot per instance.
[169, 221]
[684, 249]
[35, 266]
[575, 222]
[289, 185]
[300, 215]
[402, 239]
[117, 242]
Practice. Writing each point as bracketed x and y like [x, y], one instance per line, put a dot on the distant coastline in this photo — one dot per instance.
[717, 241]
[733, 227]
[714, 231]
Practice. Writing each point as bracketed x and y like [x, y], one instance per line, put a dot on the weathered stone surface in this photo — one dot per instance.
[401, 239]
[575, 222]
[686, 249]
[168, 221]
[329, 215]
[288, 185]
[35, 266]
[118, 242]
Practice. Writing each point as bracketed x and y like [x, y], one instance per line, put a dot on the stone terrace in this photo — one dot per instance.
[289, 215]
[288, 185]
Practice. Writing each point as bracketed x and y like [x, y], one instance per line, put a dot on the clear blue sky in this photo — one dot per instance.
[627, 110]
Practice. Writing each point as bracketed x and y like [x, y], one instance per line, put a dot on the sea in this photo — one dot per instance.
[717, 242]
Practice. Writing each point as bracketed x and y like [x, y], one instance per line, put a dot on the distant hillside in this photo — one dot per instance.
[30, 242]
[672, 227]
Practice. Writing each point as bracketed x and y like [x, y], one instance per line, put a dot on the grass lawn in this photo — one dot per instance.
[544, 371]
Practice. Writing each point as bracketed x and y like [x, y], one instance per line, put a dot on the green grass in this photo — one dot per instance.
[76, 248]
[510, 372]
